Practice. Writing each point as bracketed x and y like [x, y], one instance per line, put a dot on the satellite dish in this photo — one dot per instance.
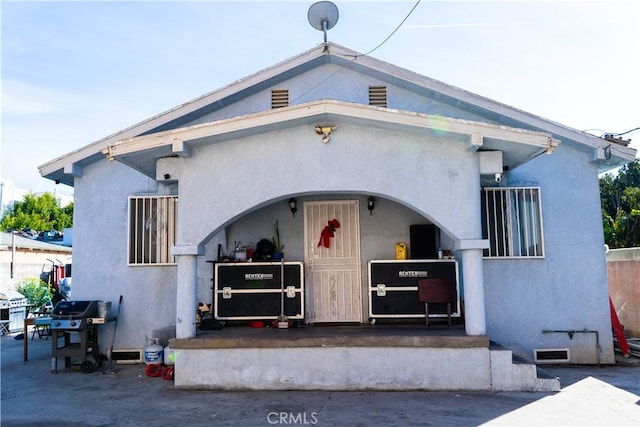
[323, 15]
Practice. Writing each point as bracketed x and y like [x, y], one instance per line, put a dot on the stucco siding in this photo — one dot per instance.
[430, 173]
[568, 289]
[331, 81]
[100, 270]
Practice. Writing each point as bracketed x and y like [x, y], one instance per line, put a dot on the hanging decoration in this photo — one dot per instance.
[328, 233]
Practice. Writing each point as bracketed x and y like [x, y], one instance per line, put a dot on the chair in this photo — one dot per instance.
[437, 291]
[42, 321]
[42, 327]
[4, 327]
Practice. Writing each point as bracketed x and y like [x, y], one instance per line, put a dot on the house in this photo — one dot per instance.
[513, 197]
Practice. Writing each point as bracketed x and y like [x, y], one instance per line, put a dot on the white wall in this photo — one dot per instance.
[27, 264]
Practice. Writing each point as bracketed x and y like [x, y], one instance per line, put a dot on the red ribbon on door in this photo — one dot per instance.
[328, 232]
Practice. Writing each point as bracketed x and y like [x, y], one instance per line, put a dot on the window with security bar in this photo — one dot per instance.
[512, 221]
[152, 229]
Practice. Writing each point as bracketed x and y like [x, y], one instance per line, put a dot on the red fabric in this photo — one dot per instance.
[617, 329]
[328, 233]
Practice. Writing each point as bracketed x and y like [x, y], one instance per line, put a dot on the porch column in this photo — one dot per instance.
[473, 281]
[186, 293]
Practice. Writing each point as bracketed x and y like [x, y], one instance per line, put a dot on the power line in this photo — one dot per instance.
[364, 54]
[393, 32]
[624, 133]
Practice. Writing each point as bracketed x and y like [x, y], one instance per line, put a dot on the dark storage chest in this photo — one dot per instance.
[393, 287]
[252, 291]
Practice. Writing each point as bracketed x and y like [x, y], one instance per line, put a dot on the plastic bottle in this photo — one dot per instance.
[153, 354]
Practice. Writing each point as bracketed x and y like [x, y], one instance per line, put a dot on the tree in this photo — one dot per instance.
[41, 213]
[620, 200]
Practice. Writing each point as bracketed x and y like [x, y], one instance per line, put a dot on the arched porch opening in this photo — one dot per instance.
[380, 230]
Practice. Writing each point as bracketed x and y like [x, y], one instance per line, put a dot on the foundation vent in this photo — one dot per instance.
[279, 98]
[378, 96]
[551, 355]
[127, 357]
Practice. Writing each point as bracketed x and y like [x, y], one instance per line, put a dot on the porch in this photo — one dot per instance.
[350, 357]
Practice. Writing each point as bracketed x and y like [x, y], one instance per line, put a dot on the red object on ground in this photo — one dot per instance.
[153, 370]
[617, 329]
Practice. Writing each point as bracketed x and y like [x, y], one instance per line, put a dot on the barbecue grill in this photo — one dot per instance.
[13, 310]
[78, 320]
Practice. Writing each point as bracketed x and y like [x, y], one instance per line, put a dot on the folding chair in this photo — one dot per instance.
[437, 291]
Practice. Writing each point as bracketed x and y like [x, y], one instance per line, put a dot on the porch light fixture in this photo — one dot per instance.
[371, 204]
[293, 206]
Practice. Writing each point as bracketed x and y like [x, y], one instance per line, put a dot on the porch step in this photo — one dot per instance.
[512, 373]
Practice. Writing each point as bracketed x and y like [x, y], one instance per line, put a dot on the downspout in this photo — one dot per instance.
[572, 332]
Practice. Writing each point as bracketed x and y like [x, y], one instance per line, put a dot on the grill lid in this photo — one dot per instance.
[9, 298]
[76, 309]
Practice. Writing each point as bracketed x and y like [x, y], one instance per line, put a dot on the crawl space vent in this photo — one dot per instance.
[551, 355]
[279, 98]
[127, 357]
[378, 96]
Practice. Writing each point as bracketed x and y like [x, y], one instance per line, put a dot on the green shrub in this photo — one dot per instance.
[36, 291]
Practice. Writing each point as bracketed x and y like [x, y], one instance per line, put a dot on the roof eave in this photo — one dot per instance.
[173, 142]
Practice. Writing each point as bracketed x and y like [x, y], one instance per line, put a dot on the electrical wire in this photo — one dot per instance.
[393, 32]
[364, 54]
[624, 133]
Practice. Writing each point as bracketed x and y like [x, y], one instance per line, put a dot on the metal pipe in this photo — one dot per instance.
[572, 332]
[13, 254]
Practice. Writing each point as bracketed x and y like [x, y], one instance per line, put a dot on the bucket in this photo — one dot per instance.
[104, 307]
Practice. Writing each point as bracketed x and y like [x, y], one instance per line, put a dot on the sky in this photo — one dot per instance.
[75, 72]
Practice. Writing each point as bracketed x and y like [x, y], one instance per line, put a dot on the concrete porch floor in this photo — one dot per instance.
[321, 335]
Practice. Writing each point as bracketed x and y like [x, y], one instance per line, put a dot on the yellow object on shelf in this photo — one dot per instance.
[401, 251]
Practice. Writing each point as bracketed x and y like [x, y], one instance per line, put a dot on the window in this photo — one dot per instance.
[152, 229]
[512, 221]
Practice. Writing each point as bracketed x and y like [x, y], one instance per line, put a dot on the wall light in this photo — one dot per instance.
[371, 204]
[293, 206]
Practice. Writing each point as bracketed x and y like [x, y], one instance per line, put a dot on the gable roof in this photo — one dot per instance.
[64, 168]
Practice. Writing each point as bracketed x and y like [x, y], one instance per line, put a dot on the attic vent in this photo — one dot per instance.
[279, 98]
[378, 96]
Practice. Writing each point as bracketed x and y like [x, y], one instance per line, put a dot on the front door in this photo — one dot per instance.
[332, 261]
